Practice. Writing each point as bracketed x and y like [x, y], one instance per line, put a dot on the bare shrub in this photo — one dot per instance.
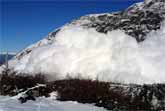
[10, 84]
[105, 94]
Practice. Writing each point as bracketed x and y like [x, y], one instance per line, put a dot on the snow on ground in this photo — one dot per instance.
[87, 53]
[44, 104]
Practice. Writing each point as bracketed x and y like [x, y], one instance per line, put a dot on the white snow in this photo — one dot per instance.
[44, 104]
[86, 53]
[22, 94]
[54, 95]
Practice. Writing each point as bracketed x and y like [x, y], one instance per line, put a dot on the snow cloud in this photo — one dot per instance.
[86, 53]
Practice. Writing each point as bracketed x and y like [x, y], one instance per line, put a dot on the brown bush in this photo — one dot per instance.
[108, 95]
[104, 94]
[10, 84]
[88, 91]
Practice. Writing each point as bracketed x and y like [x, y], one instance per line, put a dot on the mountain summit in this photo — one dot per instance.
[126, 46]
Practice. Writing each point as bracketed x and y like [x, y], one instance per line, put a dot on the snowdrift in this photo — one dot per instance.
[44, 104]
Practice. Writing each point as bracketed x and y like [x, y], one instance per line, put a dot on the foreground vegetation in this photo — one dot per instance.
[113, 96]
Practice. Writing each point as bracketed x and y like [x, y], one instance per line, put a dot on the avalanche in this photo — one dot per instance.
[86, 53]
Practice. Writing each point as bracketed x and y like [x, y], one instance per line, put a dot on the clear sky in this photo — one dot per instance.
[24, 22]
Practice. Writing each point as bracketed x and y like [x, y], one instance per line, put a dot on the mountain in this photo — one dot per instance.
[3, 56]
[125, 46]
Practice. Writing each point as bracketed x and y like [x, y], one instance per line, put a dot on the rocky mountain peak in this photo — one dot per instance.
[137, 20]
[153, 1]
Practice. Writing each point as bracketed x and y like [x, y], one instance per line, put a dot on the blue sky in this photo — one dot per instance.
[24, 22]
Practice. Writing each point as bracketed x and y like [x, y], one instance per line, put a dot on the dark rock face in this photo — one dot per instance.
[136, 21]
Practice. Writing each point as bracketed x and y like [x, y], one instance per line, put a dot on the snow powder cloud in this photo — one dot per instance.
[87, 53]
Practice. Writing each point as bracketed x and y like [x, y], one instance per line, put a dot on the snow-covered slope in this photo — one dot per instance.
[119, 47]
[44, 104]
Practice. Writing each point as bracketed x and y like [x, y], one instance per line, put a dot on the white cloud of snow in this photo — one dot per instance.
[113, 57]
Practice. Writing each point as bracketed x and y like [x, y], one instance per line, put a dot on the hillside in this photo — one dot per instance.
[126, 47]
